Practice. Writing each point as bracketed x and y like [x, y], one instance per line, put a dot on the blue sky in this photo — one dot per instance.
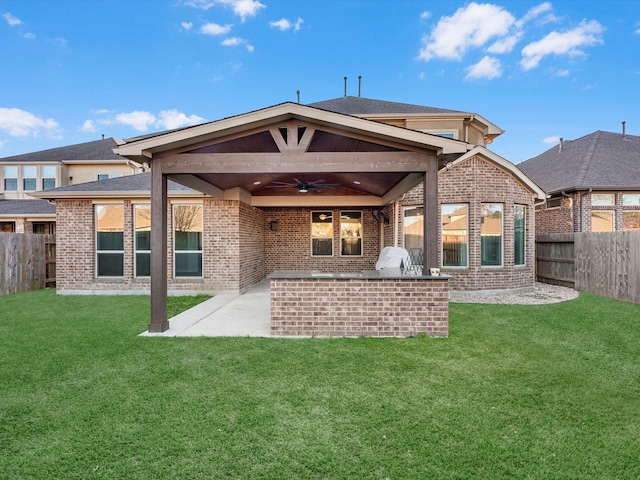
[73, 70]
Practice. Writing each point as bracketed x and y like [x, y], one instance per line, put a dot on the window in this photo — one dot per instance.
[29, 177]
[491, 235]
[602, 221]
[109, 240]
[413, 233]
[631, 199]
[444, 133]
[519, 234]
[106, 176]
[142, 240]
[554, 202]
[44, 227]
[602, 199]
[10, 175]
[7, 227]
[455, 245]
[631, 220]
[321, 234]
[187, 240]
[351, 233]
[48, 177]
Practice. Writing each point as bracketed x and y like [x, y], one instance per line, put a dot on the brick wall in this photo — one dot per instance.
[474, 182]
[555, 219]
[357, 307]
[289, 248]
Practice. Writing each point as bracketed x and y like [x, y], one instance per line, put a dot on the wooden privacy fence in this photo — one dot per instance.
[606, 264]
[27, 262]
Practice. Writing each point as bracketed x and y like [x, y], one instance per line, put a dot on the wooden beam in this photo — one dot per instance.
[430, 203]
[406, 184]
[295, 162]
[198, 184]
[159, 321]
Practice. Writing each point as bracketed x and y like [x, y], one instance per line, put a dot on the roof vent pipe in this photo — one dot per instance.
[359, 84]
[298, 93]
[345, 87]
[624, 133]
[560, 144]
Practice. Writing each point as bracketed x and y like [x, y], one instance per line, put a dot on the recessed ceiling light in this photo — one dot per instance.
[257, 183]
[356, 182]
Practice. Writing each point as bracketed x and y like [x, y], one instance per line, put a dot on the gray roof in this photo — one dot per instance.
[96, 150]
[26, 207]
[368, 106]
[140, 182]
[603, 160]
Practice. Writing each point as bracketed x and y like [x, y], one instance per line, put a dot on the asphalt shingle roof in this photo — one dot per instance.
[140, 182]
[601, 159]
[26, 207]
[368, 106]
[96, 150]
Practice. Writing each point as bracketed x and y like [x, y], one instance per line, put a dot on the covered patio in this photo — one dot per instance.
[283, 158]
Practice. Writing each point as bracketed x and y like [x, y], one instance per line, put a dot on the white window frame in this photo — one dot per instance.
[97, 252]
[173, 239]
[443, 132]
[45, 176]
[360, 237]
[136, 251]
[626, 199]
[501, 265]
[632, 212]
[313, 237]
[468, 207]
[107, 176]
[33, 175]
[524, 246]
[613, 219]
[598, 199]
[5, 177]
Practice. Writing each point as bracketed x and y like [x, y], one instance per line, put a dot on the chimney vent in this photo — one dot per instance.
[560, 144]
[624, 130]
[345, 87]
[359, 84]
[298, 93]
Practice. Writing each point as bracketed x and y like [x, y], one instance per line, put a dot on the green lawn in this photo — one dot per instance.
[537, 392]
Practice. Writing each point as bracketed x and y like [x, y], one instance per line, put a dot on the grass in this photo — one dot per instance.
[531, 392]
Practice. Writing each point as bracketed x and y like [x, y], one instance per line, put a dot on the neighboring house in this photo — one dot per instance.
[593, 183]
[22, 175]
[293, 187]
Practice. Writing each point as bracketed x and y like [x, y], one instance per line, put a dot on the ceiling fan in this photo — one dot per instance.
[303, 186]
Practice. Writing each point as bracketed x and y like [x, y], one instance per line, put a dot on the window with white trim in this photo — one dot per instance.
[10, 178]
[142, 240]
[455, 235]
[602, 199]
[48, 177]
[519, 234]
[631, 199]
[109, 240]
[631, 220]
[106, 176]
[491, 237]
[322, 233]
[187, 240]
[602, 221]
[29, 177]
[351, 233]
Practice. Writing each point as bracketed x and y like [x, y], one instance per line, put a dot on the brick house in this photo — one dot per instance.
[23, 175]
[593, 184]
[300, 187]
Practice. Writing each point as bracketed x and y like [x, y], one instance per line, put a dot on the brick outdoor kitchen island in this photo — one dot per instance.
[371, 304]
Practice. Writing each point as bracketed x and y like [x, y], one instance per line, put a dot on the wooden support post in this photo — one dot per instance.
[430, 203]
[159, 321]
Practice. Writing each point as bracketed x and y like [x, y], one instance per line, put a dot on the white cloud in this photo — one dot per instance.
[29, 35]
[487, 68]
[138, 120]
[214, 29]
[237, 41]
[242, 8]
[186, 25]
[171, 119]
[425, 15]
[552, 140]
[20, 123]
[3, 143]
[473, 25]
[88, 126]
[534, 12]
[506, 44]
[11, 20]
[568, 43]
[284, 24]
[563, 73]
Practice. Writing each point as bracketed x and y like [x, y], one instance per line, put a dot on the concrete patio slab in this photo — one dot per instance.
[225, 315]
